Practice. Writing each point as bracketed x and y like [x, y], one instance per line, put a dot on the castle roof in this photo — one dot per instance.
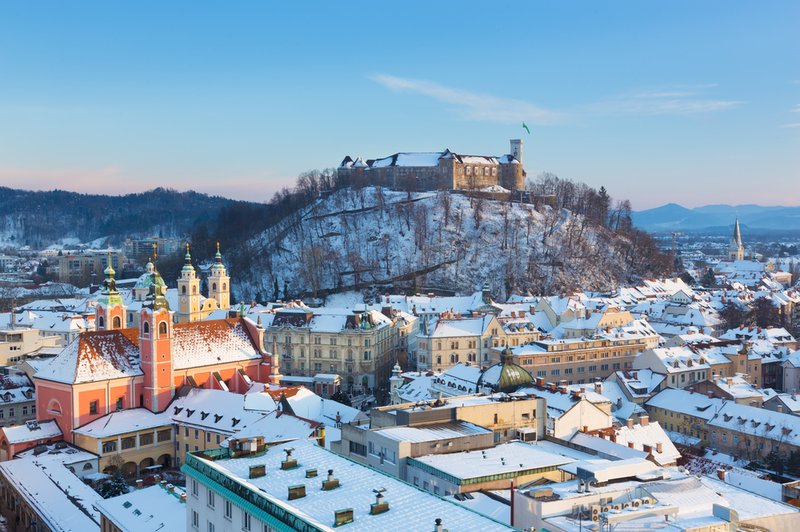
[104, 355]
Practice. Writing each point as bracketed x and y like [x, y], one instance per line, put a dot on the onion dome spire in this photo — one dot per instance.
[187, 266]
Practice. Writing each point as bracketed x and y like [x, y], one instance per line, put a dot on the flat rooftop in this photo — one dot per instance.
[515, 458]
[150, 509]
[433, 431]
[409, 507]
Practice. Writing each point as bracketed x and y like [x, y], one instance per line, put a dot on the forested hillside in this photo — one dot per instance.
[39, 219]
[357, 238]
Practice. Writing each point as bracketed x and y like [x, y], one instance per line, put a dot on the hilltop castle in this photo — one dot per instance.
[444, 170]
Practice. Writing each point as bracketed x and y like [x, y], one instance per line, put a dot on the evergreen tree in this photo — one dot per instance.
[764, 314]
[708, 280]
[114, 487]
[341, 397]
[732, 315]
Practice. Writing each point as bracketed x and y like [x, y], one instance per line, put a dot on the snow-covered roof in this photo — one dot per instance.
[61, 499]
[459, 327]
[515, 457]
[759, 421]
[433, 432]
[32, 431]
[103, 355]
[686, 402]
[219, 411]
[151, 509]
[651, 434]
[124, 421]
[410, 507]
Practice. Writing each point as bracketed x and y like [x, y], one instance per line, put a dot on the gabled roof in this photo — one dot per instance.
[94, 356]
[103, 355]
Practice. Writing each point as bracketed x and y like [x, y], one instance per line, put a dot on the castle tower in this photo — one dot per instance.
[516, 149]
[188, 292]
[736, 249]
[219, 286]
[110, 310]
[155, 347]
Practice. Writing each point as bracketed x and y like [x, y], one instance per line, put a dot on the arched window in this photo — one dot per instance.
[54, 407]
[101, 323]
[117, 322]
[224, 287]
[87, 466]
[194, 290]
[162, 328]
[183, 289]
[214, 286]
[146, 328]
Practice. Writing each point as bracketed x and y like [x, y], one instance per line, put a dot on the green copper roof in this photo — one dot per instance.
[155, 298]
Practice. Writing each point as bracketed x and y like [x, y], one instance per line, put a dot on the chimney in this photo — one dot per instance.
[585, 428]
[614, 437]
[644, 420]
[598, 387]
[710, 394]
[532, 309]
[635, 375]
[438, 525]
[171, 487]
[139, 484]
[629, 422]
[779, 408]
[630, 444]
[659, 448]
[721, 474]
[521, 313]
[183, 497]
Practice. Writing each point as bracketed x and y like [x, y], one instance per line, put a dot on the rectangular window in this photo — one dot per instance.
[165, 435]
[110, 446]
[24, 410]
[195, 519]
[119, 403]
[228, 509]
[128, 443]
[194, 487]
[210, 526]
[10, 412]
[146, 439]
[92, 407]
[196, 434]
[210, 500]
[245, 521]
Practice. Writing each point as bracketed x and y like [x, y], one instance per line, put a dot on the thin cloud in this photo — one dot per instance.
[673, 100]
[682, 100]
[795, 109]
[473, 105]
[792, 125]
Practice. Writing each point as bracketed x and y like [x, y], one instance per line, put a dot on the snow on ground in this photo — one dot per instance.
[353, 238]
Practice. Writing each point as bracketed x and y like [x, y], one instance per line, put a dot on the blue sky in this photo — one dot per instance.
[692, 102]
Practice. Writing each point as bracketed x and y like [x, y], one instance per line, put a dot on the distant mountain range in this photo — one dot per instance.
[718, 218]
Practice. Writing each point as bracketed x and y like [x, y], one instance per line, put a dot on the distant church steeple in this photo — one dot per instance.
[736, 249]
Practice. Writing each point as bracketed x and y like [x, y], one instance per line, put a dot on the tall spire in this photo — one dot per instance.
[187, 265]
[736, 248]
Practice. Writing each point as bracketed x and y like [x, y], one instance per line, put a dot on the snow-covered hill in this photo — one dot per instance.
[354, 239]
